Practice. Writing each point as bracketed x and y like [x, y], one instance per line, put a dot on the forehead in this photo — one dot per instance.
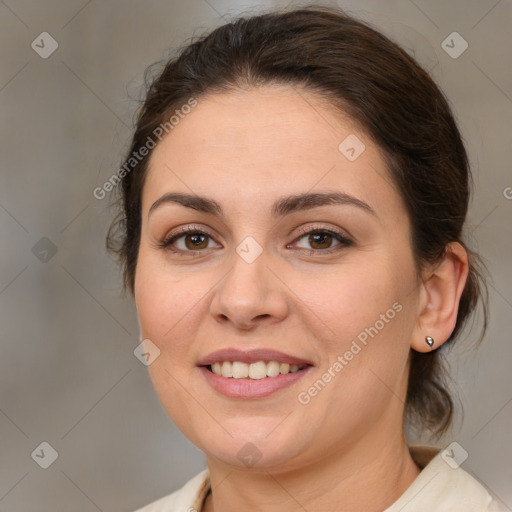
[255, 144]
[263, 123]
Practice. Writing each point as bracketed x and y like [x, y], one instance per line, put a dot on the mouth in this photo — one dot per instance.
[252, 374]
[255, 371]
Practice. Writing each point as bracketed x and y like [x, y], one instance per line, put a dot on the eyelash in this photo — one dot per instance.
[191, 230]
[343, 240]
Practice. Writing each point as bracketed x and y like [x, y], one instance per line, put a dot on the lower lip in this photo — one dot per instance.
[251, 388]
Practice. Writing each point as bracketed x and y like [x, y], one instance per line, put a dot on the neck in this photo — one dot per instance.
[370, 478]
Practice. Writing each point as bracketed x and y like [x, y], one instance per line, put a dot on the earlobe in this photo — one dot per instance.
[439, 303]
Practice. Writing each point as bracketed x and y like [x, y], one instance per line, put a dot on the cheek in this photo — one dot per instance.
[164, 301]
[346, 301]
[167, 307]
[362, 318]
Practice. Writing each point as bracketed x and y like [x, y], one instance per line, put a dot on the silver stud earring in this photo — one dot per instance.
[430, 341]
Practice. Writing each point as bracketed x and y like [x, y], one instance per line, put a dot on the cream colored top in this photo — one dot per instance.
[438, 488]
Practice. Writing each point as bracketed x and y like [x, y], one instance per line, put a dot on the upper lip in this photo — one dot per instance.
[250, 356]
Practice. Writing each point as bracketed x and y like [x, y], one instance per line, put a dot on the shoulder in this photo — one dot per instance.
[188, 498]
[443, 485]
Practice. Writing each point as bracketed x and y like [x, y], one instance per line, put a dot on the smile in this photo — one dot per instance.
[248, 374]
[256, 371]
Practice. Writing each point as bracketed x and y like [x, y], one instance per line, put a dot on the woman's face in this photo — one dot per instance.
[254, 170]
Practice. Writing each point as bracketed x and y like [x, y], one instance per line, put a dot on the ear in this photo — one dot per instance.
[440, 293]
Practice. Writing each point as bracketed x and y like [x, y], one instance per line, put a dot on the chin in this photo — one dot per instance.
[254, 444]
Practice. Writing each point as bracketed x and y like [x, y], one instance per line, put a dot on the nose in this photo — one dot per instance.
[249, 295]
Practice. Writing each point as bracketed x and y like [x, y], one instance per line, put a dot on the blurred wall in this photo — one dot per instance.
[68, 375]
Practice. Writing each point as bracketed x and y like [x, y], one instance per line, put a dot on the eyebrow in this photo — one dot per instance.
[282, 207]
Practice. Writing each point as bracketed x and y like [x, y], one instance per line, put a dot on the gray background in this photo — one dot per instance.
[68, 375]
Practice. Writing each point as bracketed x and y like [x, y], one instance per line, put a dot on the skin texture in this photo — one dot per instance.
[345, 449]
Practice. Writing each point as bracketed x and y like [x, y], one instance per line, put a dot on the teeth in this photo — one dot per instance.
[259, 370]
[272, 369]
[240, 370]
[227, 369]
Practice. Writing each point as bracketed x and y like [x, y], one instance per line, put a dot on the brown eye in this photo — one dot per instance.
[196, 241]
[320, 240]
[188, 240]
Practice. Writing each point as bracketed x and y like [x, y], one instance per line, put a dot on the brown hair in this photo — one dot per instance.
[364, 74]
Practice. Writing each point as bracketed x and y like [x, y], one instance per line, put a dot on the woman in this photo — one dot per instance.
[292, 210]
